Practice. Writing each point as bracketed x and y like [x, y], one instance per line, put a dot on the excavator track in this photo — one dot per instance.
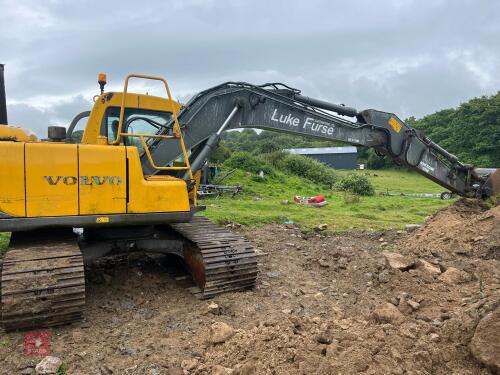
[219, 261]
[43, 280]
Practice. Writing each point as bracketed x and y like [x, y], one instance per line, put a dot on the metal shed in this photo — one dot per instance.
[335, 157]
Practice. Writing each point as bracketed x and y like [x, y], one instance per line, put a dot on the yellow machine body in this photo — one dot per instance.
[99, 177]
[51, 179]
[14, 133]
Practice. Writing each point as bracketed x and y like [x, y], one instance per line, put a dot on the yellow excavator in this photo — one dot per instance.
[131, 183]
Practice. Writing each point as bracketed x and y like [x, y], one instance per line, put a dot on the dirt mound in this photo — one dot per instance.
[463, 229]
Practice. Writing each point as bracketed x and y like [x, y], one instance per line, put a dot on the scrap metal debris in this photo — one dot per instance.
[216, 190]
[316, 201]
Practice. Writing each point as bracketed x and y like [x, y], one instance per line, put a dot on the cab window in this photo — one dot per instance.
[136, 121]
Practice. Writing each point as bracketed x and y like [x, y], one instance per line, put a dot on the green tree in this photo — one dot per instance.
[471, 131]
[220, 154]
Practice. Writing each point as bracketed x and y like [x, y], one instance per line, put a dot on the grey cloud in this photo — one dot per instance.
[37, 120]
[411, 57]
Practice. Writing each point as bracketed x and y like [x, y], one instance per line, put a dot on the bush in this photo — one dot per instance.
[356, 184]
[258, 178]
[276, 159]
[298, 165]
[250, 163]
[350, 198]
[220, 154]
[303, 166]
[311, 169]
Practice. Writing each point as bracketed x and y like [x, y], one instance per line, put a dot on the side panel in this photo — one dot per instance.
[103, 179]
[12, 178]
[155, 193]
[51, 179]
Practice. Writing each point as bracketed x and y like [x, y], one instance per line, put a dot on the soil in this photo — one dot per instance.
[323, 304]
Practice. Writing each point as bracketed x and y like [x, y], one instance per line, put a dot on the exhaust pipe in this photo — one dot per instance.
[3, 99]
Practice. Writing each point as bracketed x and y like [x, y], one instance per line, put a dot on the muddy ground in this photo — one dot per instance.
[324, 304]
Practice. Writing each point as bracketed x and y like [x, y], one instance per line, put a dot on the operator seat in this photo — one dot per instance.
[129, 141]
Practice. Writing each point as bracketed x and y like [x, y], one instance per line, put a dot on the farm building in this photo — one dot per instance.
[335, 157]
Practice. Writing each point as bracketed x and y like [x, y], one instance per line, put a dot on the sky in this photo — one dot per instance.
[408, 57]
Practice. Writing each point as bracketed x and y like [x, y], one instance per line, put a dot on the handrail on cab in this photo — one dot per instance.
[176, 128]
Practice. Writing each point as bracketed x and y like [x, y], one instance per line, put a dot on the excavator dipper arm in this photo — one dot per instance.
[280, 108]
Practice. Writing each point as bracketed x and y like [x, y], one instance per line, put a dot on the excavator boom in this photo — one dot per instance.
[278, 107]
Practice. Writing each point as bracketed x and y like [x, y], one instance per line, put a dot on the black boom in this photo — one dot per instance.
[281, 108]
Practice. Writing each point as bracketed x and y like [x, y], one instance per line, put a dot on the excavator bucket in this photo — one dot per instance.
[492, 185]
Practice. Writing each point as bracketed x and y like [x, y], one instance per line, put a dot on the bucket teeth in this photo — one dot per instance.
[219, 260]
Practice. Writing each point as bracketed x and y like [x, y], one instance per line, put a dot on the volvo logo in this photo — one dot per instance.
[84, 180]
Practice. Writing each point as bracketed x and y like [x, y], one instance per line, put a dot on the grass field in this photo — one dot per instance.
[261, 202]
[4, 240]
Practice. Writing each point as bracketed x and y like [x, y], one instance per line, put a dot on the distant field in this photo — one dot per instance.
[261, 202]
[395, 181]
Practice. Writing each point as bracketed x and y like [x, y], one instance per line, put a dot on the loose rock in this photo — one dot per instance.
[398, 261]
[332, 349]
[106, 370]
[321, 227]
[189, 364]
[388, 313]
[412, 227]
[220, 370]
[324, 338]
[428, 267]
[77, 335]
[434, 337]
[383, 277]
[245, 369]
[413, 304]
[48, 365]
[220, 332]
[214, 308]
[323, 263]
[485, 344]
[454, 276]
